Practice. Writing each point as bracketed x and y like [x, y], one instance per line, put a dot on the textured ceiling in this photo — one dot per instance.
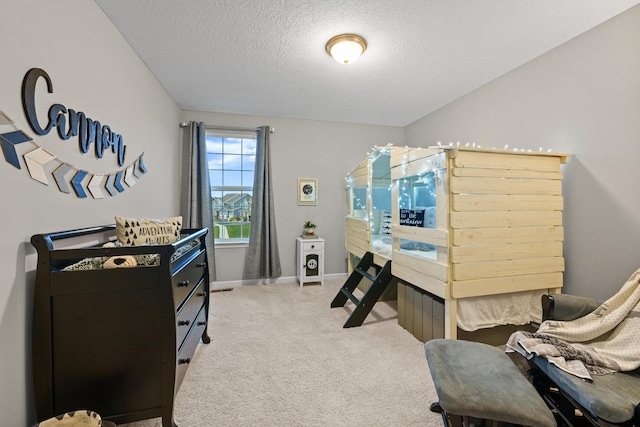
[267, 57]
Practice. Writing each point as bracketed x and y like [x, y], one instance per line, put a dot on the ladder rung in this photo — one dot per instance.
[352, 297]
[366, 274]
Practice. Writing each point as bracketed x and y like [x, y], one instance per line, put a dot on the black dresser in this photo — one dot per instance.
[116, 341]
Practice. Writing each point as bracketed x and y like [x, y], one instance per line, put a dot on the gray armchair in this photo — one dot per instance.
[610, 400]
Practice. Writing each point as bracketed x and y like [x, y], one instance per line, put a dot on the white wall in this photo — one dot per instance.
[582, 98]
[305, 149]
[93, 70]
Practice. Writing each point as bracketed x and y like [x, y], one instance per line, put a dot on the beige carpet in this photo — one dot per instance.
[280, 357]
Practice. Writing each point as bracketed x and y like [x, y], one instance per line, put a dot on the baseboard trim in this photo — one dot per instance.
[236, 283]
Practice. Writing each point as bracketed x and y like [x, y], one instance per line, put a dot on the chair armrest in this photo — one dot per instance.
[566, 307]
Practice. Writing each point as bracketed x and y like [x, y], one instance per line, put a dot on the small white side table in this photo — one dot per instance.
[310, 260]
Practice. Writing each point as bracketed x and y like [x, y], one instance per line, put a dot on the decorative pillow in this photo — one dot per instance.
[411, 245]
[124, 261]
[86, 264]
[138, 232]
[385, 223]
[147, 260]
[97, 263]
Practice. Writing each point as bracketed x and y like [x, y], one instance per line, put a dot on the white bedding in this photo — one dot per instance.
[381, 244]
[487, 311]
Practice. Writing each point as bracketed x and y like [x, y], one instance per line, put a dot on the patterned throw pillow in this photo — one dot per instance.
[139, 232]
[385, 223]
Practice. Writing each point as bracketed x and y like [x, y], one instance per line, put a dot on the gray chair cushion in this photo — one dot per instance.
[611, 397]
[479, 380]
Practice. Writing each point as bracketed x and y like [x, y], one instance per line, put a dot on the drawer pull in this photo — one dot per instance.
[202, 294]
[202, 322]
[200, 264]
[184, 322]
[183, 361]
[184, 283]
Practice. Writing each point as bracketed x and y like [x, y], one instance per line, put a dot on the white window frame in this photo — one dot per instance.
[227, 189]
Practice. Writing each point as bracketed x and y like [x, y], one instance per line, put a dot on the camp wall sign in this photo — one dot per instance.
[68, 124]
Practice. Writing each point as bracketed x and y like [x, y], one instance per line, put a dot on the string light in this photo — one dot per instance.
[472, 144]
[430, 177]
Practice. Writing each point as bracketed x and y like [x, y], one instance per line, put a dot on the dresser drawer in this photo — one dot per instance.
[185, 279]
[188, 348]
[188, 311]
[312, 246]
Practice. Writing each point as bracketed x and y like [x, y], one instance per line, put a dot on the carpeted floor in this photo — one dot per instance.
[280, 357]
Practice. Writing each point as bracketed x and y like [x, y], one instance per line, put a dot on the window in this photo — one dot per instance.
[231, 158]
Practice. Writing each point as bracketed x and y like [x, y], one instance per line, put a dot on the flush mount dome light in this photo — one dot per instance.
[346, 48]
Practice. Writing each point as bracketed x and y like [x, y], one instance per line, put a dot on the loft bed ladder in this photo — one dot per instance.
[379, 282]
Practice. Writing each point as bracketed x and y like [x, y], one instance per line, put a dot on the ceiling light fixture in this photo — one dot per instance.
[346, 48]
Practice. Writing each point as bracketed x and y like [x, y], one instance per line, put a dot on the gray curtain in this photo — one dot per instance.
[263, 260]
[196, 200]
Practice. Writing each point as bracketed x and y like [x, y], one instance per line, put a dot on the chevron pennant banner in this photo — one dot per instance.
[44, 166]
[95, 186]
[61, 176]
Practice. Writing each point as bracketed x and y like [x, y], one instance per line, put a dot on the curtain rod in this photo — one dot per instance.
[229, 129]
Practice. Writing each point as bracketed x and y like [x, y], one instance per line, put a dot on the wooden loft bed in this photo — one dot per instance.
[497, 231]
[368, 222]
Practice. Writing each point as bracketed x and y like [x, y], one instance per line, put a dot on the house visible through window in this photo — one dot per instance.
[231, 158]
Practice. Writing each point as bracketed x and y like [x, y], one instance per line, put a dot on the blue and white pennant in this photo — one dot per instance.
[67, 177]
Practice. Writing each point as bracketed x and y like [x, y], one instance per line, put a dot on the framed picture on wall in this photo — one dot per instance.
[307, 191]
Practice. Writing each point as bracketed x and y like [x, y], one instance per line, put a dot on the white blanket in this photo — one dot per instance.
[605, 340]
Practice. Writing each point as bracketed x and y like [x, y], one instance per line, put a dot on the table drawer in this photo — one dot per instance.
[312, 246]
